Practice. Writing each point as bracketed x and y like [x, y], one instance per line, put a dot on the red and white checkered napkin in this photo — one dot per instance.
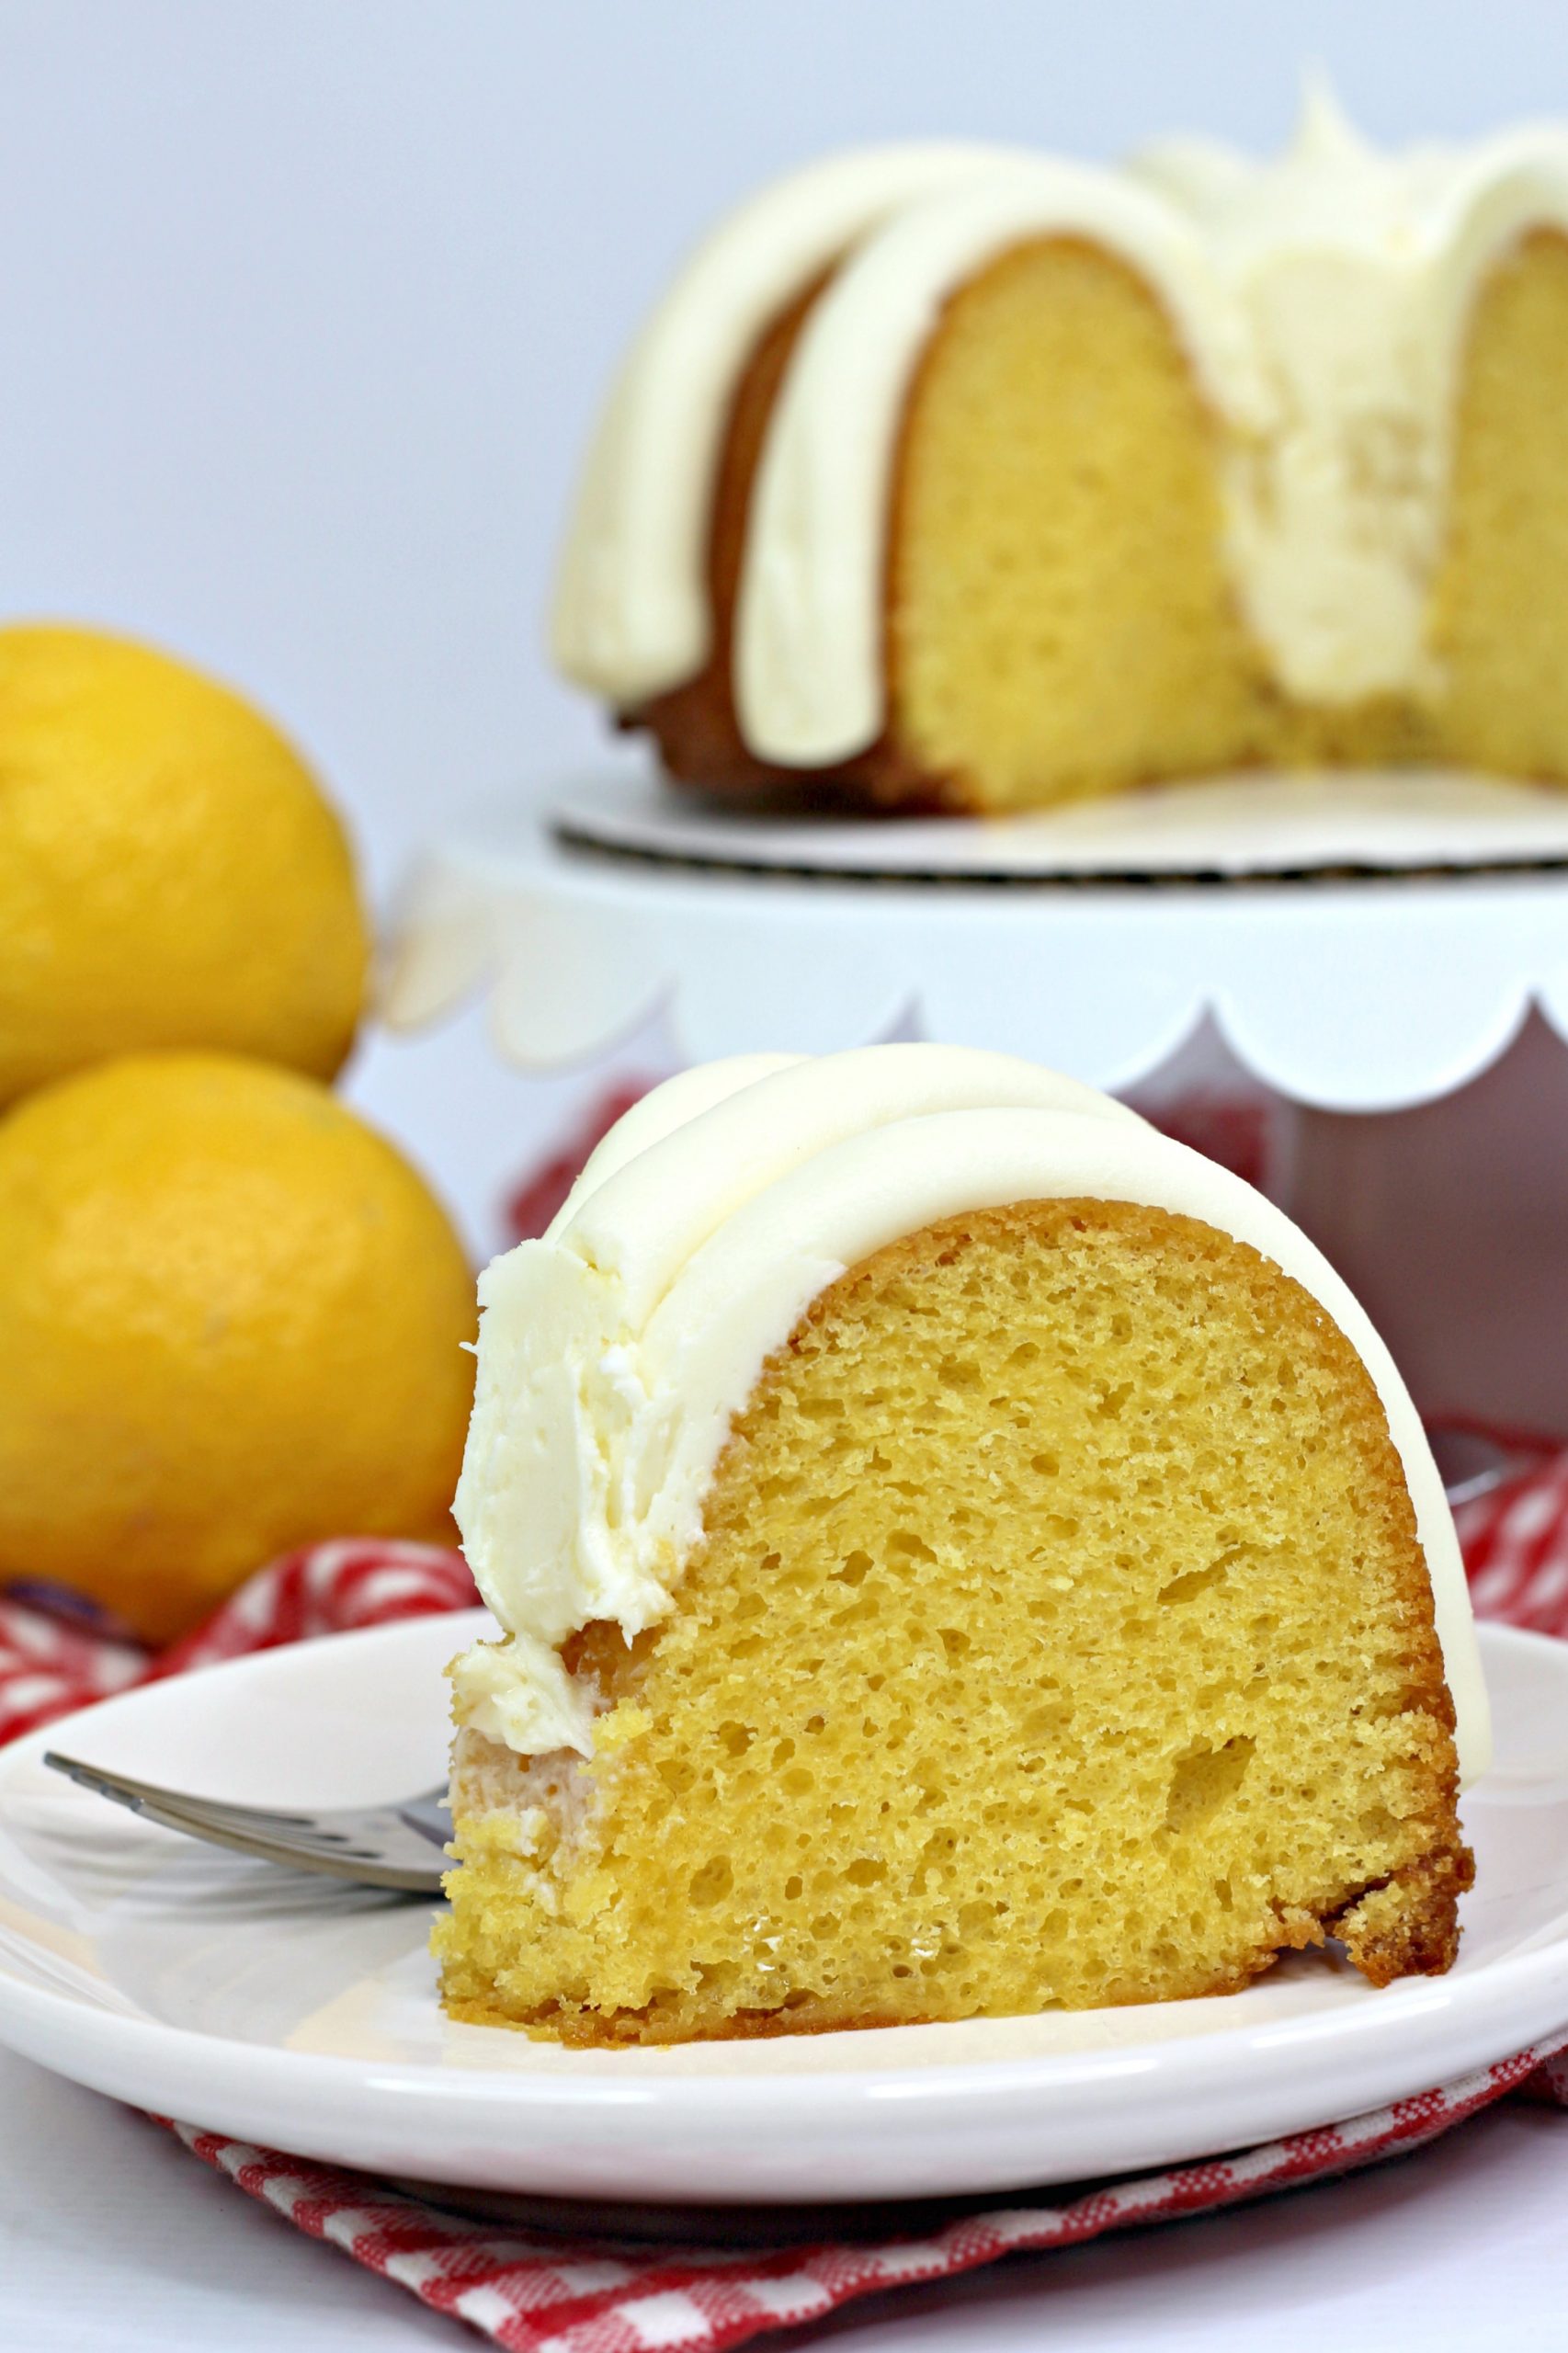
[54, 1658]
[537, 2294]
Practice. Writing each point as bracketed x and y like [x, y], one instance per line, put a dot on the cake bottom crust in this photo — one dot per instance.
[1404, 1926]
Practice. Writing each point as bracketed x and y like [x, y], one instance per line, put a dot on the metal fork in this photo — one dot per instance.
[381, 1846]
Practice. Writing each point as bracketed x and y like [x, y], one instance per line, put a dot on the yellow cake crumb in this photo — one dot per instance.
[1059, 1636]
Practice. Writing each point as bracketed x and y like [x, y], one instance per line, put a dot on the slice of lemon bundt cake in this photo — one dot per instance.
[957, 477]
[963, 1554]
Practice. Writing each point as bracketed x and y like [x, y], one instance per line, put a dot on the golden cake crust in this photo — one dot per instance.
[694, 725]
[679, 1744]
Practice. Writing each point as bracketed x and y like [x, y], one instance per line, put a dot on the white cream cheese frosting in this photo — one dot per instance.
[632, 613]
[1323, 301]
[615, 1352]
[1357, 272]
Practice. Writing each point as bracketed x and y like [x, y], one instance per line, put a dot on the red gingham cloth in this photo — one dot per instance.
[53, 1659]
[532, 2293]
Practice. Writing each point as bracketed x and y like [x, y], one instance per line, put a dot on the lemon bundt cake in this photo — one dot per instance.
[950, 477]
[962, 1553]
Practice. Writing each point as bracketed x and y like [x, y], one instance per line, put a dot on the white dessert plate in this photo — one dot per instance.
[289, 2012]
[1375, 821]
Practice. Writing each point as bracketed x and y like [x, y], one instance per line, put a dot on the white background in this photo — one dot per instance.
[305, 306]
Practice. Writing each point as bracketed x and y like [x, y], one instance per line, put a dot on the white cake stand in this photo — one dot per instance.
[1392, 958]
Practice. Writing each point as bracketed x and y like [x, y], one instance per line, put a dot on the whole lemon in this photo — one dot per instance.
[170, 874]
[232, 1320]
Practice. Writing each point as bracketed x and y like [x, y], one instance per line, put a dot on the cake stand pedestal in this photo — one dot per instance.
[1407, 1023]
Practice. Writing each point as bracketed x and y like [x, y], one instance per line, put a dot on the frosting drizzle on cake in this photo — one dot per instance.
[614, 1352]
[1322, 302]
[632, 613]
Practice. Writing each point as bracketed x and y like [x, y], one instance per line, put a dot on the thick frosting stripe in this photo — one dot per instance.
[631, 614]
[614, 1354]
